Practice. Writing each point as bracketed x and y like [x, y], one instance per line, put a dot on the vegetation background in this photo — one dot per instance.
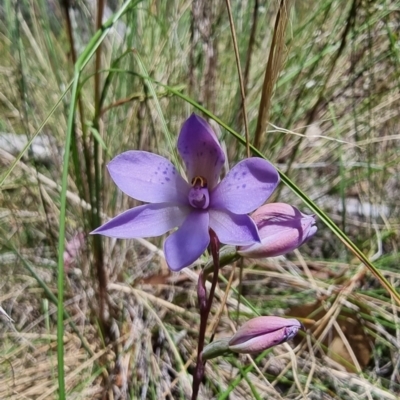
[91, 318]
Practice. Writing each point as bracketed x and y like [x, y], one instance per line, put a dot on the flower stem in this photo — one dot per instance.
[214, 244]
[205, 308]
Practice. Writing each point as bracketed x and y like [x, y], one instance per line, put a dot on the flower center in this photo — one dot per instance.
[198, 195]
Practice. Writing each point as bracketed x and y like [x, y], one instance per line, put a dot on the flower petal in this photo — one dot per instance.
[189, 242]
[264, 342]
[260, 326]
[232, 228]
[148, 177]
[282, 228]
[261, 333]
[200, 150]
[247, 185]
[144, 221]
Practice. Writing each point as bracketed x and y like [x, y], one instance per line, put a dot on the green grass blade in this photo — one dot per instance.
[51, 296]
[149, 84]
[29, 143]
[81, 63]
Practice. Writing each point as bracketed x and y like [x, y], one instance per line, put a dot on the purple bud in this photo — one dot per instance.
[261, 333]
[202, 292]
[282, 228]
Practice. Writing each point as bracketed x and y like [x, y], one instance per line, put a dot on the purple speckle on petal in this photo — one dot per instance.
[243, 186]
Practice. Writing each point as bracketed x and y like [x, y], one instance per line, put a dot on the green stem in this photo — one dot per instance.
[82, 61]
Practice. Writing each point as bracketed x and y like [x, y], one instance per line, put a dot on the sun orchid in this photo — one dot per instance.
[195, 206]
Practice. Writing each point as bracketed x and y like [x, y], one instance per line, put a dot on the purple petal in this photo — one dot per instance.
[148, 177]
[261, 333]
[260, 326]
[200, 150]
[189, 242]
[247, 185]
[282, 228]
[144, 221]
[260, 343]
[233, 229]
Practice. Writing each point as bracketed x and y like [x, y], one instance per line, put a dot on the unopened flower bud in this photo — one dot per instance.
[202, 292]
[261, 333]
[282, 228]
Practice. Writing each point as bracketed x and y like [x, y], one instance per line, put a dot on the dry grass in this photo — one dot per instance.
[334, 120]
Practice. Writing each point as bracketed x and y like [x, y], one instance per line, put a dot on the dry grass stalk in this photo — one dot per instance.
[273, 68]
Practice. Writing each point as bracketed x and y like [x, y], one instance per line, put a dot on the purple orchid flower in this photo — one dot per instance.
[261, 333]
[282, 228]
[194, 207]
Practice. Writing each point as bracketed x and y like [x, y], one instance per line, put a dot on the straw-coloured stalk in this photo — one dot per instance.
[274, 65]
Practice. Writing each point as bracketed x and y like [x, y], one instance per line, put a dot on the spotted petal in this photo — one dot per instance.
[148, 177]
[144, 221]
[189, 242]
[247, 185]
[200, 150]
[233, 229]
